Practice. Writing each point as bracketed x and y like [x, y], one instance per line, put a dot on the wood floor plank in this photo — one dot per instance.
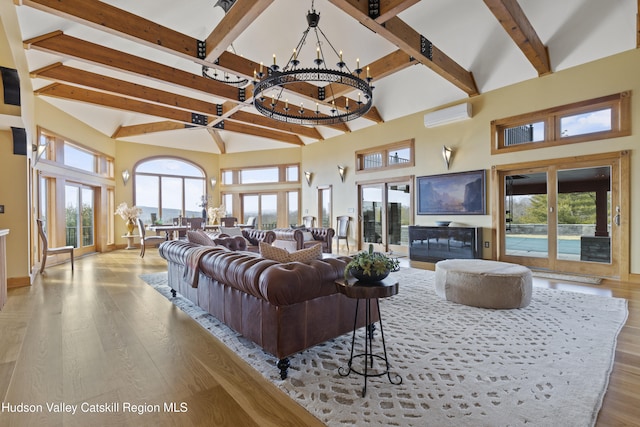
[101, 335]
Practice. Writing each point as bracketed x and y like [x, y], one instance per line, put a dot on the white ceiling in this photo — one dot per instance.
[574, 31]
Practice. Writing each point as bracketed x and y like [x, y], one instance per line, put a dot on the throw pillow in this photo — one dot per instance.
[273, 253]
[231, 231]
[306, 255]
[307, 236]
[200, 238]
[281, 255]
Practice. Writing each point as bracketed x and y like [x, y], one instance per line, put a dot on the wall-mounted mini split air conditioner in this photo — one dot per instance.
[448, 115]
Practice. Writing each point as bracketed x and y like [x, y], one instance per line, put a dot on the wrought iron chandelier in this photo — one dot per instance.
[217, 75]
[224, 77]
[276, 80]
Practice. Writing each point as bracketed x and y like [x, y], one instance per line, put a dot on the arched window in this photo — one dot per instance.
[166, 188]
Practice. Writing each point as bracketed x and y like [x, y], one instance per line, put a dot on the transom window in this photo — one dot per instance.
[56, 149]
[399, 154]
[595, 119]
[261, 175]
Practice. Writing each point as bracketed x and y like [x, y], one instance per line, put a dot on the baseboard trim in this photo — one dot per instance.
[18, 282]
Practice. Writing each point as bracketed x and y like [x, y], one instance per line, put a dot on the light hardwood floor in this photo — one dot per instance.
[101, 335]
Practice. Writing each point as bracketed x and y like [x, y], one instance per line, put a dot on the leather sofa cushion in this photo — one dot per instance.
[233, 243]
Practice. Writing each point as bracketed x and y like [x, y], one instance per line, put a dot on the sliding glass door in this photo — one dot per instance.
[385, 215]
[563, 217]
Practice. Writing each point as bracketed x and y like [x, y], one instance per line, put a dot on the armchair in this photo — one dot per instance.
[323, 236]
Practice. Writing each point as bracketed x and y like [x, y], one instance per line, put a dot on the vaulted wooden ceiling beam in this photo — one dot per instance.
[122, 23]
[73, 93]
[390, 8]
[116, 21]
[61, 73]
[410, 41]
[517, 25]
[71, 47]
[238, 19]
[215, 135]
[146, 128]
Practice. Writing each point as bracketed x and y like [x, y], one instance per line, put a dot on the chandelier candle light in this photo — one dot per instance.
[276, 80]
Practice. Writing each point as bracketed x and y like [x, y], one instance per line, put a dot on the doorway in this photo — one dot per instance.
[385, 215]
[80, 218]
[566, 216]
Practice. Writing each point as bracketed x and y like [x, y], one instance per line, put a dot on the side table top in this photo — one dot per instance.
[353, 288]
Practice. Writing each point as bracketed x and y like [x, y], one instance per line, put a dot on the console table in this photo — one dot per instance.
[433, 244]
[352, 288]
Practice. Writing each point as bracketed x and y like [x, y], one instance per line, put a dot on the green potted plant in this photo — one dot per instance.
[370, 266]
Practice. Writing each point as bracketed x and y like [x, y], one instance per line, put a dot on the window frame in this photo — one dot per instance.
[53, 153]
[619, 103]
[184, 209]
[384, 151]
[237, 172]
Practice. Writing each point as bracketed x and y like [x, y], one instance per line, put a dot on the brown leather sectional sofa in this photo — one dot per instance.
[282, 307]
[293, 239]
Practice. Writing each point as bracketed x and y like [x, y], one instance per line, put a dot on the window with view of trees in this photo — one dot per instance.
[594, 119]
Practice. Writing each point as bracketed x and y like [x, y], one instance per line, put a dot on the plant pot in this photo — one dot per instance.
[131, 225]
[365, 278]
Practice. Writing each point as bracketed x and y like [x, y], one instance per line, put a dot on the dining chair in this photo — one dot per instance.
[228, 221]
[196, 223]
[251, 222]
[147, 240]
[46, 250]
[343, 231]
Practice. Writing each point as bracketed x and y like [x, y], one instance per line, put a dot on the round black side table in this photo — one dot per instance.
[352, 288]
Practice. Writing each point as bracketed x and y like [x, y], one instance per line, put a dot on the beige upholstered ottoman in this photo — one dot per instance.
[482, 283]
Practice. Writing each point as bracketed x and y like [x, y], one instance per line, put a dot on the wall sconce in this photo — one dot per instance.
[308, 175]
[447, 153]
[342, 170]
[213, 182]
[125, 176]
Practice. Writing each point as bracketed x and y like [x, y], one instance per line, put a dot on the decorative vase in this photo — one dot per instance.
[131, 224]
[365, 278]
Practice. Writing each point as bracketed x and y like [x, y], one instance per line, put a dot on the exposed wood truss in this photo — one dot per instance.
[515, 22]
[216, 105]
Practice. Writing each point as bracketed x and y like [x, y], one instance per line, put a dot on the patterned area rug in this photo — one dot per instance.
[546, 364]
